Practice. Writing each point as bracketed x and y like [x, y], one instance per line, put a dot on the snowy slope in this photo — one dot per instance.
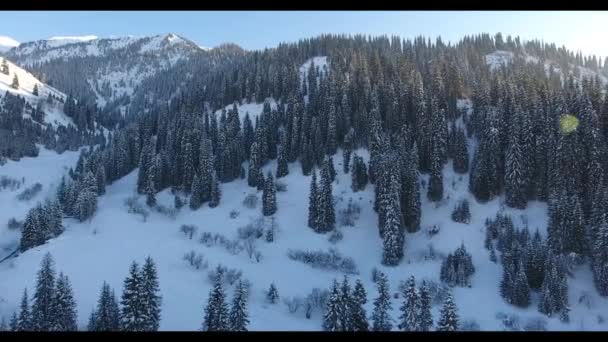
[47, 169]
[59, 41]
[54, 112]
[7, 43]
[500, 57]
[107, 244]
[253, 109]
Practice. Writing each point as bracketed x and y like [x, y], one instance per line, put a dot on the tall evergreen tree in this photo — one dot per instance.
[312, 202]
[269, 196]
[331, 317]
[411, 308]
[358, 316]
[132, 315]
[64, 306]
[151, 298]
[381, 317]
[216, 312]
[426, 318]
[24, 322]
[43, 315]
[448, 319]
[239, 318]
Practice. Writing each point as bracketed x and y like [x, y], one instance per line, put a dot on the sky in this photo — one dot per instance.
[586, 31]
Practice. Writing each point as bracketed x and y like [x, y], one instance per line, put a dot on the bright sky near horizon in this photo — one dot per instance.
[586, 31]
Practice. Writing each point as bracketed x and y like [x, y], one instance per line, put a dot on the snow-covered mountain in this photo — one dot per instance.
[105, 69]
[53, 111]
[7, 43]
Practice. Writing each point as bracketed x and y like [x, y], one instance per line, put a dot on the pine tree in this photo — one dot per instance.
[269, 196]
[107, 313]
[132, 315]
[382, 306]
[24, 322]
[521, 288]
[331, 317]
[345, 306]
[435, 189]
[326, 216]
[216, 193]
[151, 298]
[216, 312]
[64, 306]
[239, 318]
[425, 319]
[330, 168]
[282, 167]
[312, 202]
[15, 84]
[391, 231]
[358, 316]
[35, 90]
[410, 310]
[272, 296]
[461, 153]
[448, 319]
[515, 195]
[14, 323]
[196, 198]
[42, 309]
[348, 149]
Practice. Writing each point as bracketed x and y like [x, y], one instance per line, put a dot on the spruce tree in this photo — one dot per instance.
[15, 84]
[435, 189]
[326, 217]
[64, 306]
[132, 315]
[43, 314]
[312, 202]
[282, 167]
[239, 318]
[24, 322]
[382, 306]
[151, 298]
[411, 308]
[345, 306]
[196, 197]
[216, 312]
[331, 317]
[448, 319]
[216, 192]
[35, 90]
[358, 316]
[521, 288]
[269, 196]
[107, 313]
[14, 322]
[425, 319]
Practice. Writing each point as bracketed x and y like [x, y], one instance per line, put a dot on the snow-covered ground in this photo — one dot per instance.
[54, 112]
[45, 169]
[102, 249]
[254, 109]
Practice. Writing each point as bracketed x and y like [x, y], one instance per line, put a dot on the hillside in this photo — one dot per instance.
[54, 114]
[479, 168]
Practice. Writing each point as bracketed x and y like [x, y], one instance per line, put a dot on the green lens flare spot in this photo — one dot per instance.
[568, 123]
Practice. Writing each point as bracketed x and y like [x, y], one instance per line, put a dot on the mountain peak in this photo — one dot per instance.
[7, 43]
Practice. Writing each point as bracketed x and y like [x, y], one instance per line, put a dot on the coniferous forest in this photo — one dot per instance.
[424, 171]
